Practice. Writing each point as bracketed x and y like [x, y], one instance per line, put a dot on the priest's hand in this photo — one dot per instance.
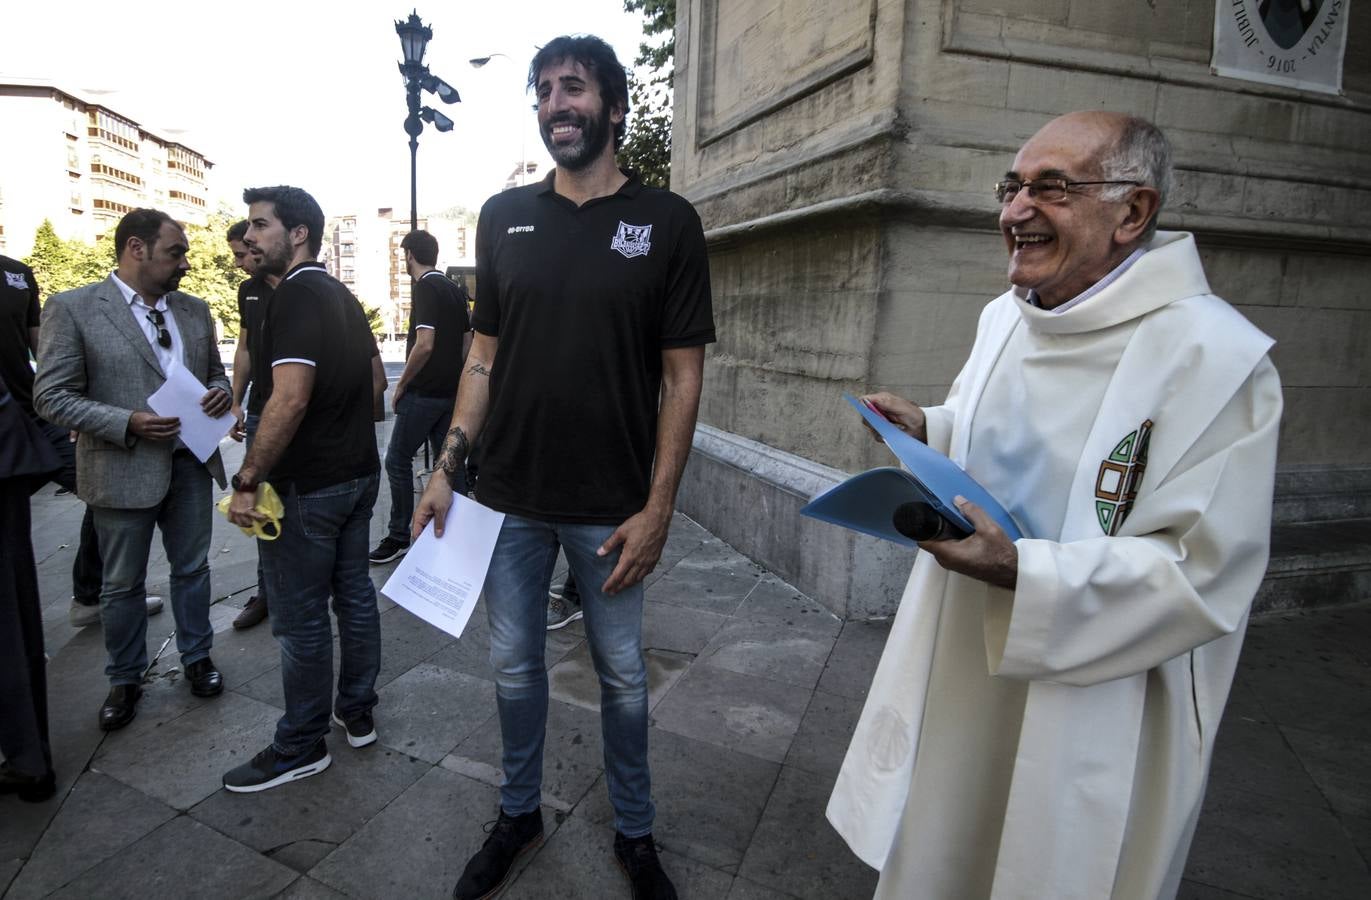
[906, 416]
[988, 555]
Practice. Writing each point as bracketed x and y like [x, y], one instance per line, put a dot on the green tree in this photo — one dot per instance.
[647, 145]
[374, 319]
[213, 277]
[60, 264]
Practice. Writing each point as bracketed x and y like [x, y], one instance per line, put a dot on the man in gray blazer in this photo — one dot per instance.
[104, 348]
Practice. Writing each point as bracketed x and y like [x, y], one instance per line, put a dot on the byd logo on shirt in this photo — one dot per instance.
[632, 240]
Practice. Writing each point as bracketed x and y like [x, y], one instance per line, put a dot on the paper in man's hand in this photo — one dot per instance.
[439, 579]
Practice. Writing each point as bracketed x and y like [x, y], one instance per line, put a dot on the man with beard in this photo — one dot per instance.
[103, 349]
[253, 297]
[317, 446]
[595, 291]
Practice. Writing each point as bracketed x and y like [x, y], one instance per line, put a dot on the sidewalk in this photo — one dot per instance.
[754, 691]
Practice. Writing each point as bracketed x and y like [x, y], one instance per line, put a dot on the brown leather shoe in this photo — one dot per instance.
[120, 706]
[253, 613]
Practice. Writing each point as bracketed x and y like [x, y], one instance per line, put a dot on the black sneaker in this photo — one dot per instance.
[638, 858]
[561, 612]
[387, 550]
[269, 769]
[510, 837]
[360, 728]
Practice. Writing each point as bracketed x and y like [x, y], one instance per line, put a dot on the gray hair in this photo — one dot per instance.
[1141, 153]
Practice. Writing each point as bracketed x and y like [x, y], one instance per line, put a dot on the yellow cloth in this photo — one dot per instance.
[268, 503]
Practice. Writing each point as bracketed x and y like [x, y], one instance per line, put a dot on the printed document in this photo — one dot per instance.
[179, 397]
[440, 578]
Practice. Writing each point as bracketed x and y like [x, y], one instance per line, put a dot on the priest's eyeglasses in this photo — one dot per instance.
[1045, 190]
[156, 317]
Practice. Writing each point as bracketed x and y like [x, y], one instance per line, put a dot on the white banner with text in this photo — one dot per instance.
[1292, 43]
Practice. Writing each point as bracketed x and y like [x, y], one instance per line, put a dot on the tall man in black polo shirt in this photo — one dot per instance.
[438, 339]
[253, 296]
[595, 291]
[316, 445]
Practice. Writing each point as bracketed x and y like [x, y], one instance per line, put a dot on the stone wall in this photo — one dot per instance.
[841, 153]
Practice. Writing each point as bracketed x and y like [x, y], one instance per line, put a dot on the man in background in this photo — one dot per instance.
[254, 295]
[437, 343]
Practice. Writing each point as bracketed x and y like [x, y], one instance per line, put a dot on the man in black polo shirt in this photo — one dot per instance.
[595, 291]
[317, 445]
[439, 335]
[253, 296]
[19, 315]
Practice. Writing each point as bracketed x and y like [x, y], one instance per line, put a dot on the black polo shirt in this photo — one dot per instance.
[441, 305]
[583, 301]
[18, 313]
[253, 297]
[315, 320]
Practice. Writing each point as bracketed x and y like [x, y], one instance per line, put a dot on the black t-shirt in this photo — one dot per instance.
[253, 297]
[18, 313]
[314, 319]
[583, 301]
[441, 305]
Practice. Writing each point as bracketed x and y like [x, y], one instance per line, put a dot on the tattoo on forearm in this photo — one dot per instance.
[454, 455]
[478, 369]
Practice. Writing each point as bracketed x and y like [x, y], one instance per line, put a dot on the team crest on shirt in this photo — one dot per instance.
[1116, 487]
[17, 279]
[632, 240]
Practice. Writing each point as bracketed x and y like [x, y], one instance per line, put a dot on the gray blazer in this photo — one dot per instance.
[96, 368]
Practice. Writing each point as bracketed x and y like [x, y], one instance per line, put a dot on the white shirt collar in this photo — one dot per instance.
[130, 295]
[1095, 288]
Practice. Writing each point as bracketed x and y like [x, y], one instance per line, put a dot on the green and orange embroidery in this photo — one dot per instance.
[1116, 487]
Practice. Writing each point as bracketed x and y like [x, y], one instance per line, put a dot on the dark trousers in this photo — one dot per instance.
[23, 667]
[86, 568]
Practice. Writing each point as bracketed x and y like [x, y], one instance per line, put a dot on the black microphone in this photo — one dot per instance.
[920, 522]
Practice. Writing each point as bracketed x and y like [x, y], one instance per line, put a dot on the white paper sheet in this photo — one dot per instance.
[440, 578]
[179, 397]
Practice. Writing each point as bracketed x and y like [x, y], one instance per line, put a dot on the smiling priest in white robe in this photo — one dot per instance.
[1043, 717]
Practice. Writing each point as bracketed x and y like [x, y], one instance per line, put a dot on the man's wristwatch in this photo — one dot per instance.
[240, 484]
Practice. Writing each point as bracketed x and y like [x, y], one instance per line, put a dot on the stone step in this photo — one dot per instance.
[1321, 494]
[1316, 564]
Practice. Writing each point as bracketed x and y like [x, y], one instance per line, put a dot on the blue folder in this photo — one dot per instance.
[867, 502]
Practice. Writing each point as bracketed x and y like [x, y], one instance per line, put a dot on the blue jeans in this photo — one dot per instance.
[125, 537]
[250, 421]
[416, 419]
[322, 551]
[516, 602]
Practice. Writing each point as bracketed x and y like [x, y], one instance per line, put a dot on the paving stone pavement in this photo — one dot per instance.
[754, 690]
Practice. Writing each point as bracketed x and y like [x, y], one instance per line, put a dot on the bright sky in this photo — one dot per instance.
[307, 92]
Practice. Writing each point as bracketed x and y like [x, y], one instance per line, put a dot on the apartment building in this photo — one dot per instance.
[364, 253]
[71, 159]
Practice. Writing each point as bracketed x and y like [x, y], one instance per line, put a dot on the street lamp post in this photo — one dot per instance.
[414, 38]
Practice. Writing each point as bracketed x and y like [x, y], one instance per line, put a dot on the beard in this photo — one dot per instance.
[274, 259]
[172, 282]
[595, 134]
